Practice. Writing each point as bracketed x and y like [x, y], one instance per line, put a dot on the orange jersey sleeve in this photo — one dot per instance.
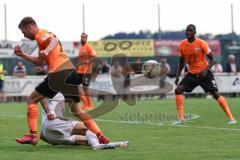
[57, 59]
[194, 54]
[86, 53]
[205, 47]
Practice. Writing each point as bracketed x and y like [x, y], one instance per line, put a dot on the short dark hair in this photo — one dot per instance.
[84, 34]
[26, 21]
[192, 25]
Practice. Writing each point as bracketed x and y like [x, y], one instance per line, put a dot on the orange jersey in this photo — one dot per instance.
[85, 54]
[194, 54]
[57, 59]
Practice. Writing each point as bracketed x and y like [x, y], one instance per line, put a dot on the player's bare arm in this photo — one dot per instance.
[50, 114]
[211, 60]
[52, 44]
[35, 60]
[211, 63]
[180, 68]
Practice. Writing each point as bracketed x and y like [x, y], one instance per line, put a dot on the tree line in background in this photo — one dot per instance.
[171, 35]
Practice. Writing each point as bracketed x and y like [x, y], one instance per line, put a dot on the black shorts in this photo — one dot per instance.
[60, 82]
[191, 81]
[79, 79]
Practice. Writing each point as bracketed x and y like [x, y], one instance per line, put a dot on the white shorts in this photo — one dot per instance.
[59, 131]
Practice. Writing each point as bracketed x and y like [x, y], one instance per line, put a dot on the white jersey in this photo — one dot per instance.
[56, 105]
[57, 131]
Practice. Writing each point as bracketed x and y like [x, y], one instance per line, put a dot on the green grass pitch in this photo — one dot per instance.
[147, 126]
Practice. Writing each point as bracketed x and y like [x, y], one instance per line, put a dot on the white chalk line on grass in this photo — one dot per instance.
[170, 124]
[194, 116]
[206, 127]
[13, 115]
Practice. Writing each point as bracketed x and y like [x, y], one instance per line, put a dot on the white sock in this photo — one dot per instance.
[92, 139]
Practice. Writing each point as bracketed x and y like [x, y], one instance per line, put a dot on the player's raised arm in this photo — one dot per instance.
[35, 60]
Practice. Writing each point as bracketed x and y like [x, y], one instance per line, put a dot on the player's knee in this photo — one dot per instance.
[79, 128]
[215, 94]
[29, 100]
[179, 90]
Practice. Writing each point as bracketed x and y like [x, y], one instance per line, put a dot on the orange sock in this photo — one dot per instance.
[89, 103]
[32, 117]
[84, 100]
[179, 104]
[89, 123]
[223, 103]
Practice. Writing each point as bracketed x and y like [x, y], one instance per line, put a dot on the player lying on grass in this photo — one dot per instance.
[65, 131]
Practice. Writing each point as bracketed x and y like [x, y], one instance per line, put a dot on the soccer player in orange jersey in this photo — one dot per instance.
[194, 51]
[60, 67]
[86, 57]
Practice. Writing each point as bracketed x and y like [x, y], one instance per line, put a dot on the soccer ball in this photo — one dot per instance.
[151, 69]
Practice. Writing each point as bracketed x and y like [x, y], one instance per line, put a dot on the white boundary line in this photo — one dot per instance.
[13, 115]
[170, 124]
[194, 116]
